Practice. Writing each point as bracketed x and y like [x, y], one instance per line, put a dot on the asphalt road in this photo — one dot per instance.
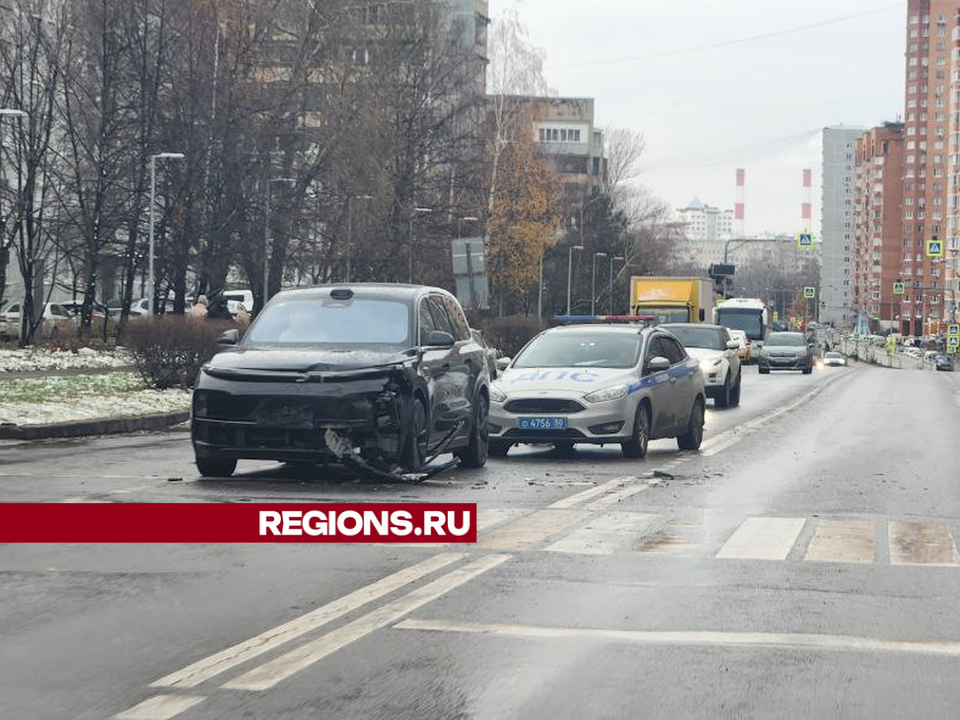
[803, 564]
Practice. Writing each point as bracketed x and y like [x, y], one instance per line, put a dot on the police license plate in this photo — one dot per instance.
[542, 423]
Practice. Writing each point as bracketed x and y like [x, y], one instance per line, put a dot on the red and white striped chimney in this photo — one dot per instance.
[806, 207]
[739, 218]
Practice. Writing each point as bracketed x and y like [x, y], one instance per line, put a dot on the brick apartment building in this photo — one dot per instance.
[878, 252]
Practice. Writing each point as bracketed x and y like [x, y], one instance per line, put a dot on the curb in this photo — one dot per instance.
[100, 426]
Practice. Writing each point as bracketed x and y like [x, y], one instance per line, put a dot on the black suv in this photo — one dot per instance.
[375, 376]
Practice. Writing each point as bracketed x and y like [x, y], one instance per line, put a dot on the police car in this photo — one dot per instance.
[598, 384]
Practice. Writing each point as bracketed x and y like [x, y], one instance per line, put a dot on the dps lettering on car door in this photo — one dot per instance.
[663, 419]
[683, 386]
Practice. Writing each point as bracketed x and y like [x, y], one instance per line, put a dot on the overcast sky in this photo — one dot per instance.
[759, 104]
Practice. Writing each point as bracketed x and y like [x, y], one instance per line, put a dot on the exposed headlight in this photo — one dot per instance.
[496, 394]
[708, 364]
[611, 393]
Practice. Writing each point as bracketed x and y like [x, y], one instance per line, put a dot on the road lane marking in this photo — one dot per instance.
[922, 543]
[591, 493]
[160, 707]
[275, 671]
[528, 532]
[617, 497]
[849, 541]
[849, 643]
[211, 666]
[763, 538]
[606, 534]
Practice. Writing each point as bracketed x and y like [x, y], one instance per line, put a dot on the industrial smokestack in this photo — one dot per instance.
[806, 207]
[739, 218]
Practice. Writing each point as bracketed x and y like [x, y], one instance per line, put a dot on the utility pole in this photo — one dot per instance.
[570, 274]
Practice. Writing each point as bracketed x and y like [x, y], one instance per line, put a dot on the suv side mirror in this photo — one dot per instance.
[440, 339]
[503, 363]
[733, 345]
[230, 337]
[658, 364]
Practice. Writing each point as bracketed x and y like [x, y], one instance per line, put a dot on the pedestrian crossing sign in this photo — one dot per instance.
[809, 292]
[934, 248]
[805, 240]
[953, 343]
[898, 288]
[954, 331]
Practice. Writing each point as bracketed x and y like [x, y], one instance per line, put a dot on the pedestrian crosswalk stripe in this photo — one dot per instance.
[275, 671]
[922, 543]
[606, 534]
[160, 707]
[618, 496]
[763, 538]
[528, 532]
[849, 541]
[673, 538]
[590, 493]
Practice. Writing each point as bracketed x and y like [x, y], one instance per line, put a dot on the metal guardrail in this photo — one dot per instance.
[866, 352]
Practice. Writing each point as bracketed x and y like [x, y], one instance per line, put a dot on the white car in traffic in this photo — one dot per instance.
[717, 353]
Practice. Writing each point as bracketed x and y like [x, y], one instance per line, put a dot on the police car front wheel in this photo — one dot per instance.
[636, 447]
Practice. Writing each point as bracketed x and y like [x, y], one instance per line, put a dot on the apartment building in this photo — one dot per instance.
[706, 222]
[879, 257]
[925, 154]
[838, 190]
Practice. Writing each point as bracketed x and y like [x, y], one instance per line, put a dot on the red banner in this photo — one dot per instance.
[238, 523]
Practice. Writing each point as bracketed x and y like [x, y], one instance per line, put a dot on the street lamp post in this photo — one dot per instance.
[413, 213]
[570, 274]
[593, 283]
[350, 231]
[266, 235]
[612, 259]
[151, 310]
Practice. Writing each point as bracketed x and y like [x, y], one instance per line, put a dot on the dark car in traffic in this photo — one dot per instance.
[786, 351]
[943, 362]
[375, 376]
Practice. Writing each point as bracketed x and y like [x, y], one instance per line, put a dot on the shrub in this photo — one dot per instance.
[169, 351]
[509, 334]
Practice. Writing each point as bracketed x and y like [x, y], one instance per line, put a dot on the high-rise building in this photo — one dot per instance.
[838, 196]
[929, 24]
[705, 222]
[878, 246]
[952, 264]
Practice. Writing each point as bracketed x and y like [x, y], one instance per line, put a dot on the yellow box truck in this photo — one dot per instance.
[673, 299]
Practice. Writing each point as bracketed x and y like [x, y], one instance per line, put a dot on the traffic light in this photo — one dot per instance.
[722, 276]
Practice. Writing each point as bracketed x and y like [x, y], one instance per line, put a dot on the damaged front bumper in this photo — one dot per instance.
[286, 416]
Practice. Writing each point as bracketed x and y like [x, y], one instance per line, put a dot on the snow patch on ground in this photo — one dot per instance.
[92, 407]
[32, 359]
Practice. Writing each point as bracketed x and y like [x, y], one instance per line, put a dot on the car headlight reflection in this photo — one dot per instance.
[611, 393]
[708, 364]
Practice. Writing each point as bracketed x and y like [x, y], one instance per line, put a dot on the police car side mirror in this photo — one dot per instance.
[503, 363]
[230, 337]
[658, 364]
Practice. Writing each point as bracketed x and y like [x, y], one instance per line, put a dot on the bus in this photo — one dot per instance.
[748, 314]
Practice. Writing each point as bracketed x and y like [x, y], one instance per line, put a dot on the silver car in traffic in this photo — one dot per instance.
[598, 384]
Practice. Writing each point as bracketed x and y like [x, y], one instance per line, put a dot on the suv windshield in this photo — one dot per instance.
[697, 337]
[561, 350]
[786, 339]
[324, 321]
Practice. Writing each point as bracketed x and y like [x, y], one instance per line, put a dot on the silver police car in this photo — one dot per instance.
[598, 384]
